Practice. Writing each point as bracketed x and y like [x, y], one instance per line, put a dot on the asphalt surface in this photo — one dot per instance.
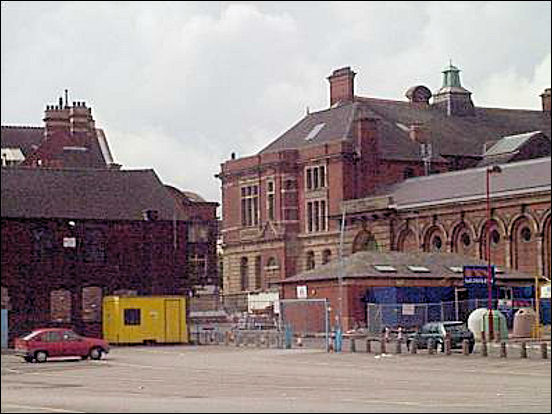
[231, 379]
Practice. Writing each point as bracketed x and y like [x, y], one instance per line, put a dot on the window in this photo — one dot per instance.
[250, 205]
[436, 243]
[258, 272]
[133, 317]
[526, 234]
[316, 177]
[418, 269]
[270, 201]
[198, 233]
[92, 304]
[408, 173]
[243, 274]
[385, 268]
[495, 238]
[310, 261]
[198, 266]
[326, 256]
[60, 306]
[466, 240]
[43, 243]
[316, 216]
[50, 337]
[94, 246]
[70, 336]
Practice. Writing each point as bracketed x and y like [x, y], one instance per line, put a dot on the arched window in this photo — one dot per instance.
[434, 241]
[462, 240]
[92, 304]
[60, 306]
[326, 256]
[497, 241]
[244, 270]
[524, 246]
[365, 241]
[310, 264]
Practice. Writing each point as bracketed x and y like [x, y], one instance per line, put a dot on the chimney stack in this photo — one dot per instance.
[342, 83]
[546, 100]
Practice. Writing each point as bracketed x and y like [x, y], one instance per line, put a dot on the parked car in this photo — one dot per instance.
[42, 344]
[438, 330]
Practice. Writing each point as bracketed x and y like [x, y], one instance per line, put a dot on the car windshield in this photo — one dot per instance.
[30, 336]
[455, 328]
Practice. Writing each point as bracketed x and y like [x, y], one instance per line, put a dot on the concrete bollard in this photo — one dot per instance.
[398, 346]
[448, 345]
[353, 345]
[382, 346]
[523, 351]
[503, 350]
[430, 346]
[237, 339]
[227, 338]
[484, 351]
[368, 346]
[466, 347]
[413, 346]
[544, 350]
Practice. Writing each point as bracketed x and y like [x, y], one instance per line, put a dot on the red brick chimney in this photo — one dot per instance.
[546, 100]
[342, 83]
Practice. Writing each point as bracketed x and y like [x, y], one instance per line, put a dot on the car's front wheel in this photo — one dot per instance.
[96, 353]
[41, 356]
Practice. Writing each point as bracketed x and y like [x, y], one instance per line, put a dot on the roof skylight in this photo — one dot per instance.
[314, 131]
[385, 268]
[418, 269]
[456, 269]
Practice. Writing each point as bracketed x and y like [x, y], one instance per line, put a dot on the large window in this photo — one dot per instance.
[198, 266]
[316, 216]
[250, 205]
[258, 279]
[244, 270]
[270, 200]
[198, 233]
[316, 177]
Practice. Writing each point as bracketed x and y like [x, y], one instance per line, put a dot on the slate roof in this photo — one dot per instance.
[29, 139]
[470, 184]
[450, 135]
[361, 265]
[96, 194]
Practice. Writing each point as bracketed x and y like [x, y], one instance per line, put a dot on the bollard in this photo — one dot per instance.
[227, 338]
[237, 339]
[544, 350]
[503, 350]
[382, 346]
[258, 340]
[368, 346]
[448, 345]
[466, 347]
[413, 346]
[523, 352]
[353, 345]
[430, 346]
[484, 351]
[398, 346]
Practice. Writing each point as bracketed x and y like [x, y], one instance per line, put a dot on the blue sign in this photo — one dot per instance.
[478, 275]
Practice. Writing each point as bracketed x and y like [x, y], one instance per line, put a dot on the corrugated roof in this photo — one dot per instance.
[361, 265]
[101, 194]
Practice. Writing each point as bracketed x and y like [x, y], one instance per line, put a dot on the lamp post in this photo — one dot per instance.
[340, 273]
[495, 169]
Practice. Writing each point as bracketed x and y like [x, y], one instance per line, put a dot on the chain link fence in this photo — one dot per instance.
[414, 315]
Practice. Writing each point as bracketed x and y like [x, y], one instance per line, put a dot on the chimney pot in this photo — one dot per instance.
[546, 100]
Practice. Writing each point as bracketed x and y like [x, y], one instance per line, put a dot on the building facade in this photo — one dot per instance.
[282, 206]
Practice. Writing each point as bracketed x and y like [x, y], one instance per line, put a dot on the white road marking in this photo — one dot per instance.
[35, 408]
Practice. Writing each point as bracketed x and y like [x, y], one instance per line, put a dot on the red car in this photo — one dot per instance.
[42, 344]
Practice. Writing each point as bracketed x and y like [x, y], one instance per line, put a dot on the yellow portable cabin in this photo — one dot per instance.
[139, 319]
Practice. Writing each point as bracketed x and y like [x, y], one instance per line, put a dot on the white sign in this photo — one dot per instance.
[301, 292]
[69, 242]
[408, 309]
[545, 292]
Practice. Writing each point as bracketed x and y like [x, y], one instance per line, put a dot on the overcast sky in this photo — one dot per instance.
[179, 86]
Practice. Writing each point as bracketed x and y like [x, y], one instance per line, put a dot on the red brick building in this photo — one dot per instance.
[76, 227]
[278, 205]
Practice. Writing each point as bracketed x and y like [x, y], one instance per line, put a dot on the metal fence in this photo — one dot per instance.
[414, 315]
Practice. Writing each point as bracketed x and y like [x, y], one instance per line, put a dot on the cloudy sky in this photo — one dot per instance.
[179, 86]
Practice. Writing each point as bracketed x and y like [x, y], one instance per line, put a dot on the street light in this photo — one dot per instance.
[340, 273]
[495, 169]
